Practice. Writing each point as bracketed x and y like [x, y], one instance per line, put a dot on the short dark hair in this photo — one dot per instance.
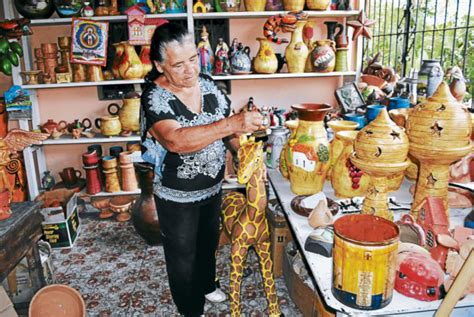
[162, 37]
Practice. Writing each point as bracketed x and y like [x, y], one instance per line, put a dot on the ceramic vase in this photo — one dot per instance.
[284, 162]
[380, 150]
[240, 62]
[265, 62]
[341, 60]
[117, 60]
[429, 77]
[145, 59]
[297, 52]
[309, 151]
[255, 5]
[439, 130]
[323, 56]
[293, 5]
[276, 141]
[346, 179]
[130, 66]
[93, 178]
[144, 213]
[336, 145]
[308, 34]
[318, 4]
[129, 113]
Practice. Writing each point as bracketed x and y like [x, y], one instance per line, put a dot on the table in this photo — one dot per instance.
[19, 236]
[321, 267]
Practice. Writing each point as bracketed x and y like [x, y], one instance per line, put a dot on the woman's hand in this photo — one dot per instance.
[246, 122]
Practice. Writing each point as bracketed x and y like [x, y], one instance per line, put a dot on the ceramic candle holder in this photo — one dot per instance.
[381, 150]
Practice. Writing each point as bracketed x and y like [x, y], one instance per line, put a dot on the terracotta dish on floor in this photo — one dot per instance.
[57, 300]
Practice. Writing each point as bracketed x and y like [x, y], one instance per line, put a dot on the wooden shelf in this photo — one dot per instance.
[283, 75]
[112, 18]
[64, 140]
[265, 14]
[84, 84]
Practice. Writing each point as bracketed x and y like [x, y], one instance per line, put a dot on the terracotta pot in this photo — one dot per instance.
[439, 130]
[130, 66]
[297, 52]
[129, 113]
[293, 5]
[323, 56]
[284, 162]
[109, 125]
[144, 214]
[309, 152]
[346, 179]
[318, 4]
[145, 59]
[265, 62]
[381, 150]
[3, 120]
[255, 5]
[337, 144]
[57, 300]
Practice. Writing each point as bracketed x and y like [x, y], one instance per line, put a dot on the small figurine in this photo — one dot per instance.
[206, 56]
[457, 82]
[48, 181]
[222, 64]
[87, 10]
[233, 48]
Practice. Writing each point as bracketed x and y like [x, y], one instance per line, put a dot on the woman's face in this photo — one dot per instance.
[180, 65]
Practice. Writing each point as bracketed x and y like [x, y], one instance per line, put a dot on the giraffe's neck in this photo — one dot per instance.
[256, 193]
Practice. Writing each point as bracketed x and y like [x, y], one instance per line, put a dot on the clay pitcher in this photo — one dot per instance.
[265, 62]
[284, 162]
[129, 113]
[337, 144]
[297, 52]
[255, 5]
[293, 5]
[347, 180]
[309, 153]
[317, 4]
[119, 49]
[130, 67]
[144, 214]
[145, 59]
[323, 56]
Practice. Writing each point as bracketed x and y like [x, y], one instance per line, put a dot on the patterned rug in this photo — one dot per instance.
[119, 275]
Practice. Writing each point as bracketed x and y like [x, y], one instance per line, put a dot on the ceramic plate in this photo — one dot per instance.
[59, 301]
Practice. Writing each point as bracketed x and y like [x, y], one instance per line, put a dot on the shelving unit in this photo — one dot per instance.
[34, 157]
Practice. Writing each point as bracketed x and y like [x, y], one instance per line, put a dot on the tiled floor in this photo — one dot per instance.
[119, 275]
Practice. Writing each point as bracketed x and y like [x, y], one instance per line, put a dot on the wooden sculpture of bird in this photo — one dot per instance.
[457, 84]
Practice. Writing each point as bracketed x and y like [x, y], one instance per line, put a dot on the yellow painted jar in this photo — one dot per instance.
[292, 125]
[309, 150]
[255, 5]
[346, 179]
[318, 4]
[337, 145]
[266, 61]
[364, 261]
[293, 5]
[109, 125]
[129, 113]
[297, 52]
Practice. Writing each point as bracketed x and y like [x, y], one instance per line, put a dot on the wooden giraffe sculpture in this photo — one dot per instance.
[245, 224]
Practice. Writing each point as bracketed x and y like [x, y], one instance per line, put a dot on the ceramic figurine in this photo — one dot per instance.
[458, 83]
[297, 52]
[318, 4]
[76, 133]
[440, 134]
[381, 149]
[323, 56]
[265, 62]
[87, 11]
[240, 62]
[320, 216]
[245, 224]
[222, 63]
[284, 162]
[332, 26]
[206, 56]
[255, 5]
[51, 125]
[129, 113]
[293, 5]
[308, 154]
[282, 22]
[48, 181]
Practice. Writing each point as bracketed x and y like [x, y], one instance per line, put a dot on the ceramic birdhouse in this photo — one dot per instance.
[136, 25]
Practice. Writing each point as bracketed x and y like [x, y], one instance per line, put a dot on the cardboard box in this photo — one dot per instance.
[307, 300]
[61, 230]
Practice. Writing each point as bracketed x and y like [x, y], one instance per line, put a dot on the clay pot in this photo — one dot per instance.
[318, 4]
[130, 66]
[109, 125]
[297, 52]
[346, 179]
[255, 5]
[381, 150]
[284, 162]
[129, 113]
[323, 56]
[265, 62]
[439, 130]
[144, 214]
[293, 5]
[145, 59]
[309, 152]
[337, 145]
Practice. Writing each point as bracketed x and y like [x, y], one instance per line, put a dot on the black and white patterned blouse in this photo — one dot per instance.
[184, 177]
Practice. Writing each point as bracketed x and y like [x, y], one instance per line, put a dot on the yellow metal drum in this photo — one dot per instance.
[364, 261]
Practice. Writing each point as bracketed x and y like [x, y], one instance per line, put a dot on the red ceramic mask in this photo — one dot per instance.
[418, 276]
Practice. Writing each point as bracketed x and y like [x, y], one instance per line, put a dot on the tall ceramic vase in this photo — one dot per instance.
[297, 52]
[284, 162]
[293, 5]
[255, 5]
[381, 150]
[439, 130]
[265, 62]
[130, 67]
[309, 152]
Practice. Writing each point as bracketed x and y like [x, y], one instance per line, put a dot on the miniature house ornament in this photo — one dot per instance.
[136, 25]
[381, 150]
[439, 130]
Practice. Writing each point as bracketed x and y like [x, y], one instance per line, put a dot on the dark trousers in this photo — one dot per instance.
[190, 233]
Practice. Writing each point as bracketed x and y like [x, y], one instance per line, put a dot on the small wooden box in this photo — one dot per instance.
[280, 235]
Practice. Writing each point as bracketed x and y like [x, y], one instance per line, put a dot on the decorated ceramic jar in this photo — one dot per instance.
[265, 62]
[109, 125]
[323, 56]
[129, 113]
[297, 52]
[276, 141]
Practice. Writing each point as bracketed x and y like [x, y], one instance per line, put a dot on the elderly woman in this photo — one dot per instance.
[186, 128]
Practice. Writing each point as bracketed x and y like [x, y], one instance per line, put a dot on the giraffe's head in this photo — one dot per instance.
[250, 158]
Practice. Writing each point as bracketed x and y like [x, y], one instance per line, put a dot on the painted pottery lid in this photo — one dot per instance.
[311, 111]
[366, 229]
[57, 300]
[440, 126]
[382, 141]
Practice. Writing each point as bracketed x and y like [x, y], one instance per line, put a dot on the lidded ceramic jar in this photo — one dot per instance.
[439, 130]
[381, 150]
[309, 150]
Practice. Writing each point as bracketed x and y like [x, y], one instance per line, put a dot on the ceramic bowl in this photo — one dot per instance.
[121, 203]
[57, 300]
